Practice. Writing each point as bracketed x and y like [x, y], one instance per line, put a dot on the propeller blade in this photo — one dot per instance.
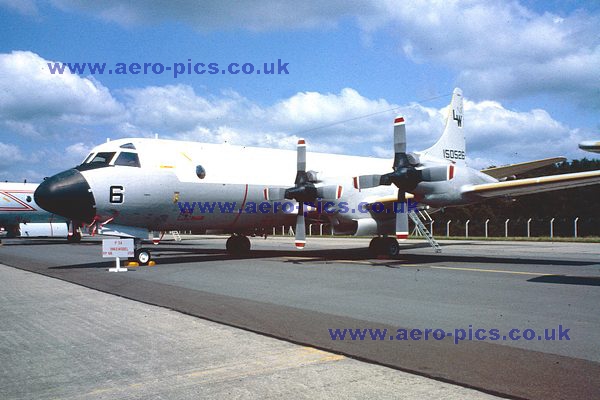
[401, 217]
[301, 152]
[300, 227]
[438, 173]
[367, 181]
[399, 135]
[330, 192]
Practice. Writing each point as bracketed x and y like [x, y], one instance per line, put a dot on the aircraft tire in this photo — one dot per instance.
[143, 256]
[375, 246]
[237, 244]
[384, 246]
[390, 247]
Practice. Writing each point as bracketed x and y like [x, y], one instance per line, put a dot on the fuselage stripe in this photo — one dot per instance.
[241, 208]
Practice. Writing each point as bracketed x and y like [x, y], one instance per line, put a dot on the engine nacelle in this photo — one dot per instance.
[364, 227]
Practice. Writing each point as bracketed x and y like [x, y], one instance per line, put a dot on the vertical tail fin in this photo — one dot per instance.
[451, 145]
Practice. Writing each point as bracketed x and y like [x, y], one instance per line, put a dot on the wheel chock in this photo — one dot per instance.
[151, 263]
[133, 264]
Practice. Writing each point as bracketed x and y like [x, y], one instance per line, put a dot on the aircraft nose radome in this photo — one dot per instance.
[67, 194]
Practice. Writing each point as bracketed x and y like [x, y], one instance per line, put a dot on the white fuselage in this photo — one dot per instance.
[152, 195]
[17, 205]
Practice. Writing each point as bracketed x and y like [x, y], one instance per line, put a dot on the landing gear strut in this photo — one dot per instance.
[237, 244]
[384, 246]
[75, 237]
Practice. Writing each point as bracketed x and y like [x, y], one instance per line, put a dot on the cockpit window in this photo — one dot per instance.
[97, 161]
[128, 159]
[127, 146]
[88, 158]
[101, 159]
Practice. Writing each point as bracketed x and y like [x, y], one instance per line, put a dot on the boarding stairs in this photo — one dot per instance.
[421, 229]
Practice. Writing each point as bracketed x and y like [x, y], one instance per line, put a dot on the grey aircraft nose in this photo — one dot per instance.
[67, 194]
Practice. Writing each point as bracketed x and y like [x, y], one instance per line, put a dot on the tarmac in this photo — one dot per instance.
[60, 340]
[298, 297]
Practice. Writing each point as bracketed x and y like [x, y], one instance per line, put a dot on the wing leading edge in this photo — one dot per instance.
[533, 185]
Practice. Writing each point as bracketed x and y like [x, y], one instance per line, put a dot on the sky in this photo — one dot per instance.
[529, 71]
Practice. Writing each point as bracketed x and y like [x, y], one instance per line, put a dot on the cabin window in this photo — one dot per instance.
[200, 172]
[128, 159]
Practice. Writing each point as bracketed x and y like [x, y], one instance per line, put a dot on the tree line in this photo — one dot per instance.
[562, 205]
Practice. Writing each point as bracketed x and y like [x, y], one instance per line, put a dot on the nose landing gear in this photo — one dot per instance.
[141, 255]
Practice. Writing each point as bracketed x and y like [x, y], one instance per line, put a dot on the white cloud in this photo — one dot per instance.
[500, 48]
[33, 101]
[336, 122]
[500, 136]
[10, 154]
[343, 122]
[78, 150]
[497, 49]
[179, 112]
[178, 108]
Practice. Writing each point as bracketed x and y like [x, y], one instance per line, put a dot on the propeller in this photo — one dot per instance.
[304, 191]
[406, 175]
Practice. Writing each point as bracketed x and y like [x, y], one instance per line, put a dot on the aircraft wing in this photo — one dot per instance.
[514, 169]
[533, 185]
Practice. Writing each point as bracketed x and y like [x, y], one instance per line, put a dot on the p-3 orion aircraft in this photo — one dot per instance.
[129, 187]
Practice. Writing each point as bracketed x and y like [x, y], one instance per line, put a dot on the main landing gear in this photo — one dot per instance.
[384, 246]
[237, 244]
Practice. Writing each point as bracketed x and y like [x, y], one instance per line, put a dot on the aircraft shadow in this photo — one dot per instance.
[43, 242]
[177, 255]
[567, 280]
[166, 254]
